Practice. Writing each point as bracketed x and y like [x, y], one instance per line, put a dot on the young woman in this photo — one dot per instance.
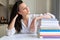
[20, 19]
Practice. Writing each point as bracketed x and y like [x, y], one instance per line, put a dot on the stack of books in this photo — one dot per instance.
[49, 24]
[49, 28]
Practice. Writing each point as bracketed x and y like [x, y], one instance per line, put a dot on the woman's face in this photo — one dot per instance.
[23, 9]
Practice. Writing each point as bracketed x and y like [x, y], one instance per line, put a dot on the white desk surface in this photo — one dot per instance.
[25, 37]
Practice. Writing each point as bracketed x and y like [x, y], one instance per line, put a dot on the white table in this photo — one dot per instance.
[24, 37]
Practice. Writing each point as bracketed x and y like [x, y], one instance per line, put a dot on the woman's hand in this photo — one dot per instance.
[46, 16]
[12, 22]
[15, 16]
[32, 26]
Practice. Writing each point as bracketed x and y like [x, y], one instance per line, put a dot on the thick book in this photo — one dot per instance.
[48, 24]
[50, 33]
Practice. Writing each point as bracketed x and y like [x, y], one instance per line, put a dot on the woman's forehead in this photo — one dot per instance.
[23, 5]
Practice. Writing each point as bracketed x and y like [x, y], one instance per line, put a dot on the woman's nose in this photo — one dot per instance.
[27, 9]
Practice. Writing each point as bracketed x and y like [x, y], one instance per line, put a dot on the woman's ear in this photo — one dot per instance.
[19, 12]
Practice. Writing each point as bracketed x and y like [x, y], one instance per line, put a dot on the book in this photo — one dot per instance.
[50, 33]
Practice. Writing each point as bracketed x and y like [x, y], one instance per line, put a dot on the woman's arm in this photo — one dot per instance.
[11, 30]
[33, 23]
[32, 26]
[12, 23]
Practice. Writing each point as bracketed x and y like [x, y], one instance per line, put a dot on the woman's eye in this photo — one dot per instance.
[24, 8]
